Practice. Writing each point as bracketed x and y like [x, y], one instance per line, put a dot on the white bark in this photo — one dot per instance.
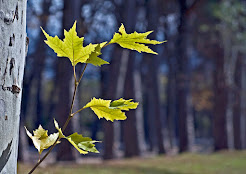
[13, 47]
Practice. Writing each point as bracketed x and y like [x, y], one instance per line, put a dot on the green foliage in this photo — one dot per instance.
[72, 48]
[110, 110]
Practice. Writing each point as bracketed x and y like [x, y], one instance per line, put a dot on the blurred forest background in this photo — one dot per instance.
[192, 95]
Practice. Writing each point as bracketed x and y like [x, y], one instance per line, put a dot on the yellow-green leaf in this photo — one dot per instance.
[94, 59]
[110, 110]
[124, 104]
[41, 140]
[134, 41]
[82, 144]
[61, 135]
[71, 47]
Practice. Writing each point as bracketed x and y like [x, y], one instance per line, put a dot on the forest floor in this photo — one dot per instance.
[216, 163]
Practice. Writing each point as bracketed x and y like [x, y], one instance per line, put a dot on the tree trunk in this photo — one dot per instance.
[152, 62]
[220, 102]
[243, 103]
[116, 80]
[130, 132]
[39, 64]
[183, 79]
[237, 107]
[13, 48]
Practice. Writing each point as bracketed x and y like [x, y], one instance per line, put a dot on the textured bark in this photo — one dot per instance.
[13, 48]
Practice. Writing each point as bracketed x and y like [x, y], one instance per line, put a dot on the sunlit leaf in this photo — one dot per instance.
[71, 47]
[41, 140]
[134, 41]
[94, 59]
[61, 135]
[82, 144]
[110, 110]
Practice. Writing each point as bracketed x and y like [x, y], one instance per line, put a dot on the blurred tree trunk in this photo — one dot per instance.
[237, 107]
[171, 102]
[243, 103]
[13, 48]
[39, 64]
[152, 62]
[171, 90]
[183, 94]
[130, 131]
[116, 80]
[65, 152]
[183, 79]
[109, 87]
[220, 101]
[130, 135]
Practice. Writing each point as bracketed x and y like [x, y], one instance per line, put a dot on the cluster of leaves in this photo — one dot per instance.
[72, 48]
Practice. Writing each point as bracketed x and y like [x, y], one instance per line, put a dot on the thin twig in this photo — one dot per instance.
[76, 83]
[44, 156]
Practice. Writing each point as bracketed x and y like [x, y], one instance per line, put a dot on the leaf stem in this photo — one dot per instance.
[76, 84]
[82, 74]
[106, 45]
[74, 74]
[78, 111]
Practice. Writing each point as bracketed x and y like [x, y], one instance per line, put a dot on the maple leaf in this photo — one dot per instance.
[134, 41]
[41, 140]
[94, 59]
[82, 144]
[110, 110]
[71, 46]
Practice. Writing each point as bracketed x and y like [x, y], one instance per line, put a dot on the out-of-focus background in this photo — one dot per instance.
[191, 96]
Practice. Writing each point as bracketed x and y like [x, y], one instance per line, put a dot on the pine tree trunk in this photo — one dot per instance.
[153, 81]
[220, 102]
[130, 133]
[183, 79]
[13, 48]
